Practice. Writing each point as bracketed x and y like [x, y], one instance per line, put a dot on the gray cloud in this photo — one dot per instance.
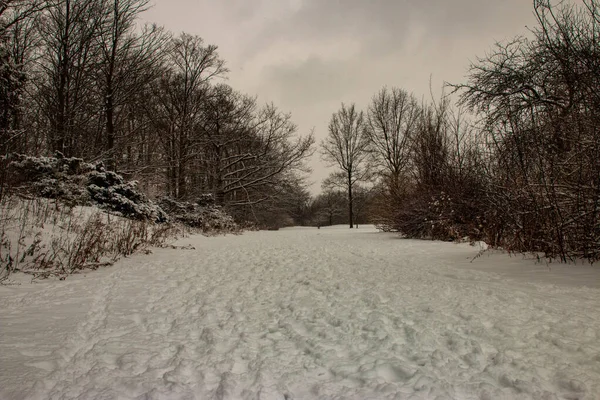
[313, 81]
[384, 25]
[307, 56]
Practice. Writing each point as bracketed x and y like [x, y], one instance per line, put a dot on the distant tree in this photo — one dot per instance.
[329, 207]
[347, 146]
[431, 146]
[286, 204]
[295, 201]
[249, 154]
[226, 125]
[363, 199]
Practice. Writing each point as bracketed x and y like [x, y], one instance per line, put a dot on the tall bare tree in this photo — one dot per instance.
[18, 40]
[181, 95]
[392, 119]
[347, 146]
[127, 61]
[265, 155]
[70, 56]
[226, 125]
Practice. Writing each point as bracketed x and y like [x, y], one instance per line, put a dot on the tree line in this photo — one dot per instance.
[514, 161]
[85, 78]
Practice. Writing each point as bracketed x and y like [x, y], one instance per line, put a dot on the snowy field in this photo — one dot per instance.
[306, 314]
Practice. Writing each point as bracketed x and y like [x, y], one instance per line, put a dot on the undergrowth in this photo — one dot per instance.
[45, 237]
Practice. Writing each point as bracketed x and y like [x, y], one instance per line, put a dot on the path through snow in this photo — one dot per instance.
[302, 314]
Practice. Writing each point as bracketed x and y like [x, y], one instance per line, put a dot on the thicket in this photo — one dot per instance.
[524, 174]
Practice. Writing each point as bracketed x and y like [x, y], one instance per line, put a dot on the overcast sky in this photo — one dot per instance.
[309, 56]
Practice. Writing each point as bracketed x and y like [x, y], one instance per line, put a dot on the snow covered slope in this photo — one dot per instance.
[304, 314]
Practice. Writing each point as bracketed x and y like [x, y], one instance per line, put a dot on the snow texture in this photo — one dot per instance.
[305, 314]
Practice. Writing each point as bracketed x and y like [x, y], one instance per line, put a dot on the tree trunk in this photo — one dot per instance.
[110, 111]
[181, 181]
[110, 130]
[350, 215]
[218, 176]
[63, 100]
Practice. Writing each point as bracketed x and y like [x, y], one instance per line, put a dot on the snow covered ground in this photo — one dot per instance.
[305, 314]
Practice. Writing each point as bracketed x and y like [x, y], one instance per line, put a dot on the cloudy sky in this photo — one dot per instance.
[309, 56]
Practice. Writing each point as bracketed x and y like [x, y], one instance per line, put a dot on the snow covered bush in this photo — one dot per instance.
[50, 177]
[75, 182]
[110, 191]
[202, 215]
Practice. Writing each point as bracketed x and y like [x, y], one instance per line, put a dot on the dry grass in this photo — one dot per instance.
[47, 238]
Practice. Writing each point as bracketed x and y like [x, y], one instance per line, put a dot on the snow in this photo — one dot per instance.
[304, 314]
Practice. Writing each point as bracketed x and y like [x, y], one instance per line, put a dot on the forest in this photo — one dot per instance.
[509, 156]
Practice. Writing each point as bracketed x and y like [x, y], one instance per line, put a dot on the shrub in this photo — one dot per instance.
[75, 182]
[202, 215]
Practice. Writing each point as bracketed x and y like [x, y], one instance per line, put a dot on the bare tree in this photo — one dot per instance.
[431, 146]
[127, 61]
[181, 94]
[329, 207]
[271, 154]
[227, 120]
[18, 40]
[285, 203]
[347, 146]
[392, 119]
[68, 61]
[13, 12]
